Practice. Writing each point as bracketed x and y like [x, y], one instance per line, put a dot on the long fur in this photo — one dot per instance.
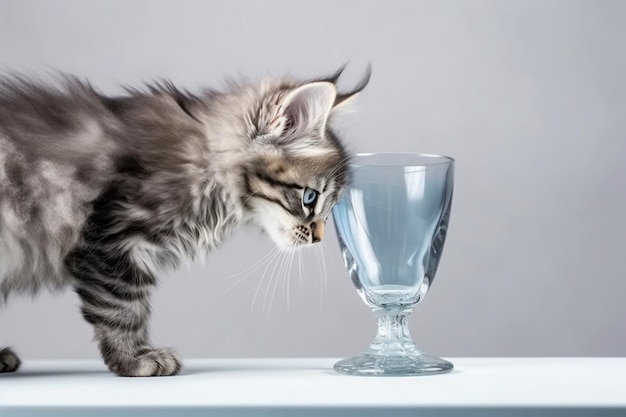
[100, 193]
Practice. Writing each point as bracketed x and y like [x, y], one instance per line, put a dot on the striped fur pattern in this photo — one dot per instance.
[101, 193]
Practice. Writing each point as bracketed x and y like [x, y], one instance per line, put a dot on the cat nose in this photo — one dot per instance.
[317, 231]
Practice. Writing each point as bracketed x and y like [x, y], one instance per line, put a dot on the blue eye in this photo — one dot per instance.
[309, 197]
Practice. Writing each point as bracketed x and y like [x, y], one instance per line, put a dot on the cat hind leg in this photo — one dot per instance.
[9, 361]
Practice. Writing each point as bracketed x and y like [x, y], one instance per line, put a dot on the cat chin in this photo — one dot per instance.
[281, 240]
[289, 246]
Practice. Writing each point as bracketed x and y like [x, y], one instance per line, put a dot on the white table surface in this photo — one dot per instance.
[477, 386]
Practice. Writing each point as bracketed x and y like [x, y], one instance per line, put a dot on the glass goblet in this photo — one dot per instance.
[391, 223]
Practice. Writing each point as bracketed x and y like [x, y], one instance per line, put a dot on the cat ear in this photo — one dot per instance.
[306, 107]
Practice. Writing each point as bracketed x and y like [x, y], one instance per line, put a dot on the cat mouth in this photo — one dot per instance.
[299, 239]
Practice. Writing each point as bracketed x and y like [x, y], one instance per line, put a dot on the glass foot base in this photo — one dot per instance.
[402, 365]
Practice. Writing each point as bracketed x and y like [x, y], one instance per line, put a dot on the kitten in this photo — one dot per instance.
[100, 193]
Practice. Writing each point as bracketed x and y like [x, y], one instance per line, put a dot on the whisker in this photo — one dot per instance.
[256, 264]
[325, 271]
[258, 288]
[338, 167]
[271, 280]
[300, 264]
[250, 270]
[283, 273]
[279, 275]
[250, 196]
[321, 272]
[288, 277]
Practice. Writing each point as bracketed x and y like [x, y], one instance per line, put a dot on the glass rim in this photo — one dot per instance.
[435, 159]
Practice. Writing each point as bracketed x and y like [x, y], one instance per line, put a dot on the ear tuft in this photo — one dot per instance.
[345, 98]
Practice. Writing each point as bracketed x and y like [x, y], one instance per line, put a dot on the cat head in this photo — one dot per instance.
[300, 167]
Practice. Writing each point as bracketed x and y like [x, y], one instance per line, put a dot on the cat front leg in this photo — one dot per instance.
[115, 300]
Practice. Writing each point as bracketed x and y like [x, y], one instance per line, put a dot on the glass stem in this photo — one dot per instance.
[393, 336]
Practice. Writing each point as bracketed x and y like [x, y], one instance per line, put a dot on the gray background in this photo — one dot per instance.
[529, 96]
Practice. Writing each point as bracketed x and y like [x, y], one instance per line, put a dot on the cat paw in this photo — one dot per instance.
[9, 362]
[149, 362]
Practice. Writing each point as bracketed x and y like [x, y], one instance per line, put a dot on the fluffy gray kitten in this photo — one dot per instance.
[100, 193]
